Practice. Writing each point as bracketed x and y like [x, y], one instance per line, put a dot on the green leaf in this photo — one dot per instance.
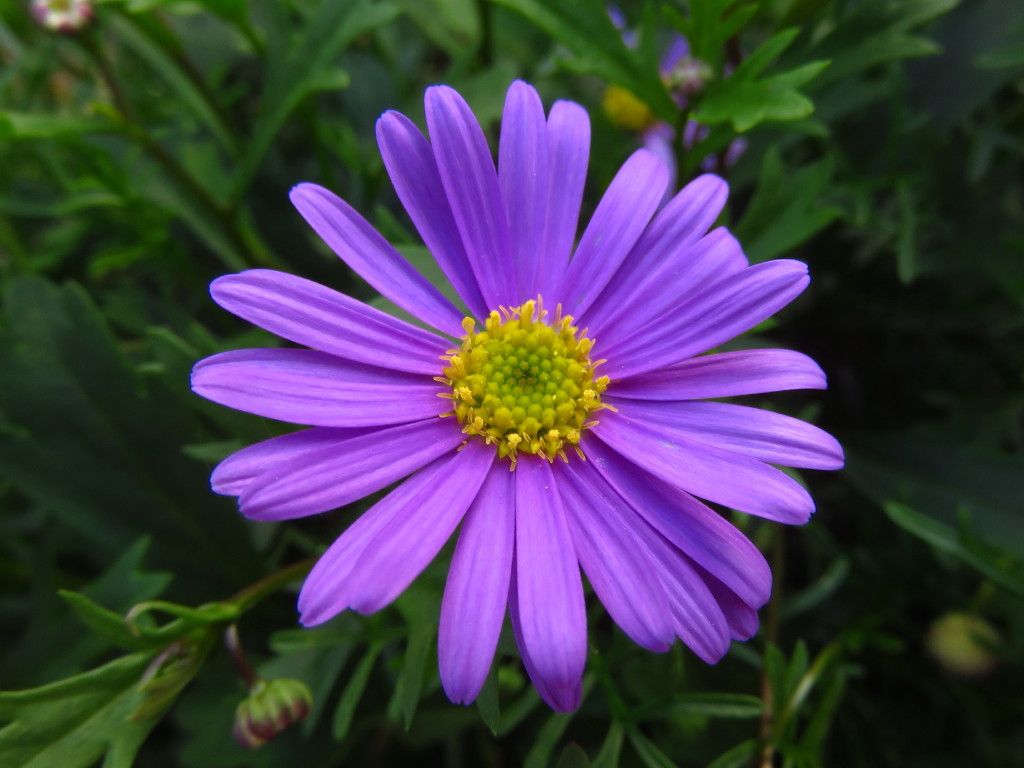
[307, 67]
[191, 94]
[611, 749]
[788, 208]
[745, 100]
[32, 126]
[107, 624]
[573, 756]
[984, 559]
[734, 706]
[452, 24]
[420, 610]
[487, 703]
[72, 723]
[586, 29]
[711, 24]
[547, 739]
[70, 398]
[876, 33]
[649, 753]
[353, 692]
[1009, 55]
[738, 756]
[930, 472]
[809, 598]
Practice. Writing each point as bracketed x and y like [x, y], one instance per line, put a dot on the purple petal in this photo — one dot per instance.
[569, 154]
[720, 313]
[690, 270]
[621, 216]
[614, 556]
[524, 179]
[373, 258]
[659, 140]
[310, 314]
[430, 498]
[549, 607]
[306, 387]
[410, 164]
[681, 223]
[471, 185]
[476, 592]
[701, 533]
[416, 534]
[234, 473]
[699, 620]
[677, 50]
[741, 617]
[337, 475]
[718, 475]
[755, 432]
[727, 374]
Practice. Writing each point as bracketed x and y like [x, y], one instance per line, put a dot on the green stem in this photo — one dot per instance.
[268, 585]
[771, 633]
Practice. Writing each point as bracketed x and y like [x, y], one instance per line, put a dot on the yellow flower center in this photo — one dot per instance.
[523, 384]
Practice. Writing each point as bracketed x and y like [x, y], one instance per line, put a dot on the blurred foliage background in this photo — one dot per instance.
[152, 149]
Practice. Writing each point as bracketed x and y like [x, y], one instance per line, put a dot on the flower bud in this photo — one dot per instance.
[962, 643]
[270, 707]
[688, 76]
[62, 15]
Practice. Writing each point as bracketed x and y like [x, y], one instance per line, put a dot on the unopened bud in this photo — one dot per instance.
[270, 707]
[688, 76]
[62, 15]
[962, 643]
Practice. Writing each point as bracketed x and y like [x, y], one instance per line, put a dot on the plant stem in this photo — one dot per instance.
[234, 646]
[255, 592]
[771, 633]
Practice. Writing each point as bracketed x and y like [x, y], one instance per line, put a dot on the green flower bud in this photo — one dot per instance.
[270, 708]
[962, 643]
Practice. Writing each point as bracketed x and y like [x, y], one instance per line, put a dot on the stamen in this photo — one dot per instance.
[524, 385]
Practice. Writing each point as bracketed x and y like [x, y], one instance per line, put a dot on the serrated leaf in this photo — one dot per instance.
[73, 723]
[107, 624]
[745, 100]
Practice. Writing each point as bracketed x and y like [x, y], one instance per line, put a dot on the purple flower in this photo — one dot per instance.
[578, 366]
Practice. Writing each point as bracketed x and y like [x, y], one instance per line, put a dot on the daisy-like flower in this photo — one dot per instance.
[558, 418]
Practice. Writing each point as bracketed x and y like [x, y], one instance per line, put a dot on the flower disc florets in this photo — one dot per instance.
[524, 385]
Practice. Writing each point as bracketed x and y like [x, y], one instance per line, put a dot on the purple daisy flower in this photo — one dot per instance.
[578, 366]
